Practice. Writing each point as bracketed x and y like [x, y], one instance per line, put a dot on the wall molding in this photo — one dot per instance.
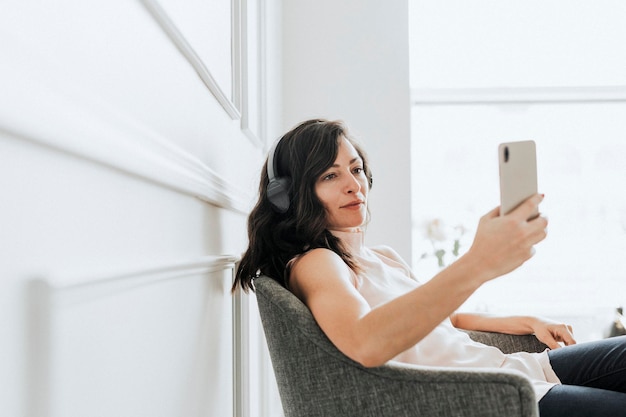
[517, 95]
[171, 30]
[65, 283]
[253, 84]
[242, 363]
[45, 296]
[71, 122]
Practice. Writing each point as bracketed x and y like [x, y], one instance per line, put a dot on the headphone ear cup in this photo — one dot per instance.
[278, 193]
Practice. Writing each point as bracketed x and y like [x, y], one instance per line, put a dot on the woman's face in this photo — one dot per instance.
[343, 189]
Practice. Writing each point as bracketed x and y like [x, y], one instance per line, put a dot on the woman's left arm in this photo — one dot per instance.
[547, 331]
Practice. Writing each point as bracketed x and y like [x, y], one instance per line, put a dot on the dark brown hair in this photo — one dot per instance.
[303, 154]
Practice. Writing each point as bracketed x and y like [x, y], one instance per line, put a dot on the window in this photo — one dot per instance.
[487, 72]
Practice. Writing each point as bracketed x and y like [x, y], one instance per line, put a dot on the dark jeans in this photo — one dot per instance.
[594, 380]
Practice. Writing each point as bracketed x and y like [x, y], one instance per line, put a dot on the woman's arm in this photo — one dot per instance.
[374, 336]
[547, 331]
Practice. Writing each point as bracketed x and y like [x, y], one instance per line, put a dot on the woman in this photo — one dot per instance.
[306, 231]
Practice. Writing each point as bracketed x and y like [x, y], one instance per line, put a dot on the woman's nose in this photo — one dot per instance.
[353, 184]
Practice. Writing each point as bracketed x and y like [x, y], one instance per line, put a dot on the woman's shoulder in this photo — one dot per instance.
[317, 265]
[388, 252]
[317, 259]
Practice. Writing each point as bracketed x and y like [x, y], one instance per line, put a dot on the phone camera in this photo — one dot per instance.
[506, 154]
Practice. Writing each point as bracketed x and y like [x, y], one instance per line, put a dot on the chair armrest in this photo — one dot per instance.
[411, 390]
[508, 343]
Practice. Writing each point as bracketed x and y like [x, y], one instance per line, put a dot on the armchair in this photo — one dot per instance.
[315, 379]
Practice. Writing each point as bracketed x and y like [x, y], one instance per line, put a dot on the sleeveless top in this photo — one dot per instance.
[384, 276]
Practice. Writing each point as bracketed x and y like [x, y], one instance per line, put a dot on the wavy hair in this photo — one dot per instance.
[303, 154]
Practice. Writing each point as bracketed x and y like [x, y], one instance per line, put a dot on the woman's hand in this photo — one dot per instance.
[503, 243]
[547, 331]
[553, 333]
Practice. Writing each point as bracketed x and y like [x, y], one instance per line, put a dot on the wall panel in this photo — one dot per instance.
[148, 342]
[125, 186]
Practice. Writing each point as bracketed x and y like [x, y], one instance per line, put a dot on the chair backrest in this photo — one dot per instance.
[301, 354]
[314, 378]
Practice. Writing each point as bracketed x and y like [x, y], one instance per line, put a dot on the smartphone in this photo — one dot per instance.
[518, 174]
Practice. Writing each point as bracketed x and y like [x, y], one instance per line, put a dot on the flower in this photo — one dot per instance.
[436, 231]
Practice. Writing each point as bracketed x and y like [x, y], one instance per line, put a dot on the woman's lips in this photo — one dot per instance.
[353, 205]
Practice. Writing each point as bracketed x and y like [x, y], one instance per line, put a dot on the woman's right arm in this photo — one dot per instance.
[374, 336]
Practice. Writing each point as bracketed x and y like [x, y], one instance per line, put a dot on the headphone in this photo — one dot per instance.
[278, 187]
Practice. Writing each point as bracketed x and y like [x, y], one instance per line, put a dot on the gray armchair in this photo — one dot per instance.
[317, 380]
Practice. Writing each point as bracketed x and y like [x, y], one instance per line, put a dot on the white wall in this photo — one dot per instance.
[349, 60]
[127, 171]
[126, 178]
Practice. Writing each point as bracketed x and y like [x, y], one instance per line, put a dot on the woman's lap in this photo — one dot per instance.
[600, 364]
[594, 380]
[575, 401]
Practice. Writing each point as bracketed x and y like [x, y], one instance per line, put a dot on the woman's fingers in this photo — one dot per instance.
[552, 334]
[529, 209]
[538, 229]
[503, 243]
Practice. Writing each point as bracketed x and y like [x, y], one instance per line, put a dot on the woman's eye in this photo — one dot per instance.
[357, 170]
[328, 177]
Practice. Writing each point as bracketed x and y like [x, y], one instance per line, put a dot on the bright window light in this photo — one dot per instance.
[489, 72]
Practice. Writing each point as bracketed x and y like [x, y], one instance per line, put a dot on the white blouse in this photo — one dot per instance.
[384, 277]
